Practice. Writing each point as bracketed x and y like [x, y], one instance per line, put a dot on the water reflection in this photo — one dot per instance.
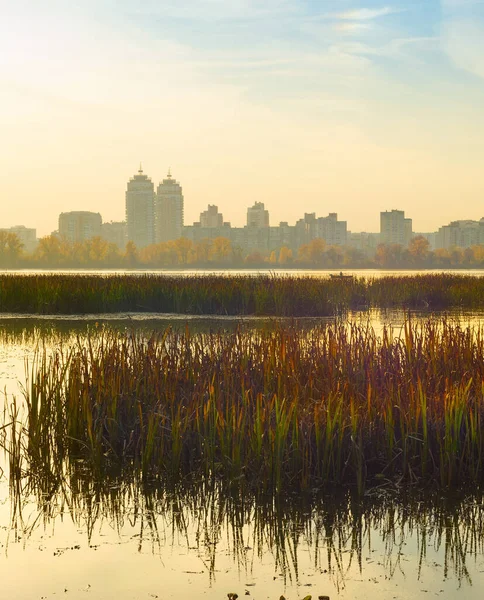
[323, 273]
[47, 325]
[328, 541]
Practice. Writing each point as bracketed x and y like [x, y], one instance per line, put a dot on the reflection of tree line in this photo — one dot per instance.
[58, 252]
[339, 531]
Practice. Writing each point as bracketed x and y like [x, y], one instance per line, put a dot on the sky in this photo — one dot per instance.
[308, 106]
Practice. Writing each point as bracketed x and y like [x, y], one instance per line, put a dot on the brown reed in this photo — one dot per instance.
[281, 409]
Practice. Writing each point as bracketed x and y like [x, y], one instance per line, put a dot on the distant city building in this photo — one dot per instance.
[332, 231]
[366, 242]
[258, 236]
[197, 233]
[115, 232]
[462, 234]
[329, 229]
[305, 229]
[211, 218]
[140, 216]
[395, 228]
[26, 235]
[79, 225]
[257, 216]
[168, 210]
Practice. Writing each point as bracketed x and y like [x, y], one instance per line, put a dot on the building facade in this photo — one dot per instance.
[140, 215]
[79, 225]
[114, 232]
[257, 216]
[211, 218]
[168, 210]
[462, 234]
[332, 231]
[395, 228]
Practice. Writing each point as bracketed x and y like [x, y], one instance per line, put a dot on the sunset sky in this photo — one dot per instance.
[308, 106]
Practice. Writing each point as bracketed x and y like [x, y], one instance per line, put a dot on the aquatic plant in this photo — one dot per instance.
[239, 295]
[286, 408]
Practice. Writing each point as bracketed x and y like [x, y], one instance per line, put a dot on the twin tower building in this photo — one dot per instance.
[152, 218]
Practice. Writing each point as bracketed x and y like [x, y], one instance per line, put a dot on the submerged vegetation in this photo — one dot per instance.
[286, 409]
[219, 295]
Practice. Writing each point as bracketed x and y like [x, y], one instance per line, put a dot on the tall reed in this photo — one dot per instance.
[220, 295]
[282, 409]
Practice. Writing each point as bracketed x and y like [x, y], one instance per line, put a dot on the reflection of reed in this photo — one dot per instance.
[208, 517]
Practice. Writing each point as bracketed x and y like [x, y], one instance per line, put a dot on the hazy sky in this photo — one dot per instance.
[309, 106]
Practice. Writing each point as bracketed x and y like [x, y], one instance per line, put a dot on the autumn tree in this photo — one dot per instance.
[131, 257]
[313, 253]
[184, 251]
[285, 255]
[255, 258]
[333, 257]
[203, 251]
[419, 250]
[478, 255]
[221, 249]
[96, 250]
[441, 258]
[389, 255]
[49, 251]
[10, 249]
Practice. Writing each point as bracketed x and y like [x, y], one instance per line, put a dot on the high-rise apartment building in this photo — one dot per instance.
[332, 231]
[168, 210]
[79, 225]
[211, 218]
[140, 215]
[462, 234]
[114, 232]
[257, 216]
[395, 228]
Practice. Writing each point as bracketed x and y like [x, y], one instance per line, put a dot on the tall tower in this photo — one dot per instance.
[140, 209]
[168, 210]
[395, 228]
[257, 216]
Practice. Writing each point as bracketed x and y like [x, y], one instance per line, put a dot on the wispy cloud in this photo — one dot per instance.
[351, 27]
[368, 14]
[462, 34]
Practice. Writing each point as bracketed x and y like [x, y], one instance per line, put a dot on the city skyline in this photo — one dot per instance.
[336, 105]
[196, 211]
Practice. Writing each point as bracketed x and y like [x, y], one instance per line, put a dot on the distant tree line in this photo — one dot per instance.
[56, 252]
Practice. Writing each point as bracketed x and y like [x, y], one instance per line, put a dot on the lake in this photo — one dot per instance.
[76, 537]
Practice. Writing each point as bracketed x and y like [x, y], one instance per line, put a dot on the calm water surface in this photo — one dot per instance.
[367, 273]
[77, 538]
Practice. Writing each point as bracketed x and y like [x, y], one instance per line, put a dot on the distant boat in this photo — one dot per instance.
[340, 275]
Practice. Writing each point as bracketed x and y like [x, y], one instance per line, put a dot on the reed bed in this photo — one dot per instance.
[287, 409]
[239, 295]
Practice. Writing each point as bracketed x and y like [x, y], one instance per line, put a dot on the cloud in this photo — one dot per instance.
[462, 34]
[210, 10]
[351, 27]
[464, 43]
[368, 14]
